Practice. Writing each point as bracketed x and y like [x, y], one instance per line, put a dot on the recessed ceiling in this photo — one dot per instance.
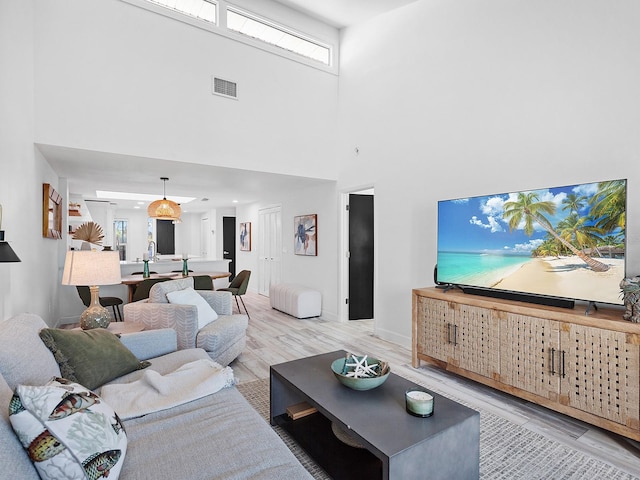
[88, 171]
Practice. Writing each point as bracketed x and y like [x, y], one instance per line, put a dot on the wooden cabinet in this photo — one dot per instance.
[529, 361]
[461, 335]
[586, 366]
[600, 373]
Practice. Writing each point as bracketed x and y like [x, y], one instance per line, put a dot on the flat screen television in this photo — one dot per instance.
[549, 246]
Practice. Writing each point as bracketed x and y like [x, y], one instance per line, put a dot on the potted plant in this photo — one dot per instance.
[630, 290]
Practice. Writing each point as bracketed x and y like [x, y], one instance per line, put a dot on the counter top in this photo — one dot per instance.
[165, 261]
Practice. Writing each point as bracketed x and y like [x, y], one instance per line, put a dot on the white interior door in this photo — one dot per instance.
[205, 236]
[269, 248]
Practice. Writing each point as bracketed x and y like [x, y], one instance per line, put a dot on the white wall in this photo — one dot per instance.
[33, 284]
[114, 77]
[187, 235]
[485, 97]
[319, 272]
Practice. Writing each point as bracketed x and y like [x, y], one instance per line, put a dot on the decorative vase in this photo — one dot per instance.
[630, 288]
[145, 270]
[185, 268]
[95, 316]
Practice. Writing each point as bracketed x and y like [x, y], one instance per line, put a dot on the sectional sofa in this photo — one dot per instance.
[218, 436]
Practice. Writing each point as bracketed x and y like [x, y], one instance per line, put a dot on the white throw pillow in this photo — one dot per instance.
[189, 296]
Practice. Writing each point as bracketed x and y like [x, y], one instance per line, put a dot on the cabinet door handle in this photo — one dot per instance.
[562, 363]
[553, 362]
[455, 335]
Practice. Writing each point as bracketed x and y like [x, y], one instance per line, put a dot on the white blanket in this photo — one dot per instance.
[155, 392]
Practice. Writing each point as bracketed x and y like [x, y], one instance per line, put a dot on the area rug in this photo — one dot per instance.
[507, 451]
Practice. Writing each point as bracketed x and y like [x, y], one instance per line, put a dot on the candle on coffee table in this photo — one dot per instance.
[419, 403]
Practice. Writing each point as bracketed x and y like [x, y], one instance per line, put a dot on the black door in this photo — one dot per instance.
[229, 243]
[165, 236]
[360, 256]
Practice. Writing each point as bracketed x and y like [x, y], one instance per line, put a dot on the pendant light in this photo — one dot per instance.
[164, 209]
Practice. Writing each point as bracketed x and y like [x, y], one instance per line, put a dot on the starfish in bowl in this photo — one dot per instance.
[361, 368]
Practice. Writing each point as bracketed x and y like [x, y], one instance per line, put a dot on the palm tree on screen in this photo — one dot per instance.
[608, 205]
[579, 231]
[549, 248]
[573, 202]
[530, 209]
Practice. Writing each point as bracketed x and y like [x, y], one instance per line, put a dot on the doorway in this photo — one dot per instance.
[229, 243]
[360, 256]
[358, 266]
[269, 248]
[166, 237]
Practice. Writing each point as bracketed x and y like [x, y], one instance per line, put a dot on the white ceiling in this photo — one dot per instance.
[342, 13]
[88, 171]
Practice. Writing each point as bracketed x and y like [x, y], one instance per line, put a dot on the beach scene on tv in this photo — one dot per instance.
[564, 242]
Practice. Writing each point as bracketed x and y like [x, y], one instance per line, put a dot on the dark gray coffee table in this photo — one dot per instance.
[397, 445]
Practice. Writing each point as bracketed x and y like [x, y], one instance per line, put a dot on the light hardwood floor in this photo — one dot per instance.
[274, 337]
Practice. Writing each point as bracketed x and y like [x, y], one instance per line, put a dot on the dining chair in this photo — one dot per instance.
[142, 290]
[238, 287]
[202, 282]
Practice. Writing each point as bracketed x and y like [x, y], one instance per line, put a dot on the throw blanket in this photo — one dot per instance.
[155, 392]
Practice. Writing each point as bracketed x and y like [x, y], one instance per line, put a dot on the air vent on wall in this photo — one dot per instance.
[225, 88]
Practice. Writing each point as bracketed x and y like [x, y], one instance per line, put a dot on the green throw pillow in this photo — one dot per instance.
[90, 357]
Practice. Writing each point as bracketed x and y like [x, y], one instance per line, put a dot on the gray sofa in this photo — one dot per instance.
[219, 436]
[223, 339]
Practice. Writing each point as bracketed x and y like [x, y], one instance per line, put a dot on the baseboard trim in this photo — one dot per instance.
[392, 337]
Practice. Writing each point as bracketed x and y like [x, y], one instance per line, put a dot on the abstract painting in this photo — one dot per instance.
[245, 236]
[305, 229]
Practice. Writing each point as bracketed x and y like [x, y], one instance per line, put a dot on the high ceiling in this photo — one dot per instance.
[88, 171]
[342, 13]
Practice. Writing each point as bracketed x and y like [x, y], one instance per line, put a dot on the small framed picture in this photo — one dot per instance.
[245, 236]
[51, 212]
[305, 229]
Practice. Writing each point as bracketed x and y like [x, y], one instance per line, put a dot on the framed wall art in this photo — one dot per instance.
[51, 212]
[305, 229]
[245, 236]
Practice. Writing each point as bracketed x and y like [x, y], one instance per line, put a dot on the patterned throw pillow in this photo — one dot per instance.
[68, 431]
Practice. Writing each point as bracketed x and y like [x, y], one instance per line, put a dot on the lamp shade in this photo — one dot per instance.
[7, 254]
[164, 210]
[82, 267]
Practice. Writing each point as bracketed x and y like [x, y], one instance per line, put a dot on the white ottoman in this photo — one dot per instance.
[296, 300]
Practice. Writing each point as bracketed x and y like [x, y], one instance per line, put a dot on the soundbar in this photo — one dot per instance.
[520, 297]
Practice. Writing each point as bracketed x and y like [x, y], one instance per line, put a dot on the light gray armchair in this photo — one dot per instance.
[223, 339]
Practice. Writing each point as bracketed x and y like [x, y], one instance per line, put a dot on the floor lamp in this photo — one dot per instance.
[92, 268]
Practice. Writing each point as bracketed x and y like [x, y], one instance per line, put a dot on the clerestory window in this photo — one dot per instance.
[253, 29]
[202, 9]
[260, 29]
